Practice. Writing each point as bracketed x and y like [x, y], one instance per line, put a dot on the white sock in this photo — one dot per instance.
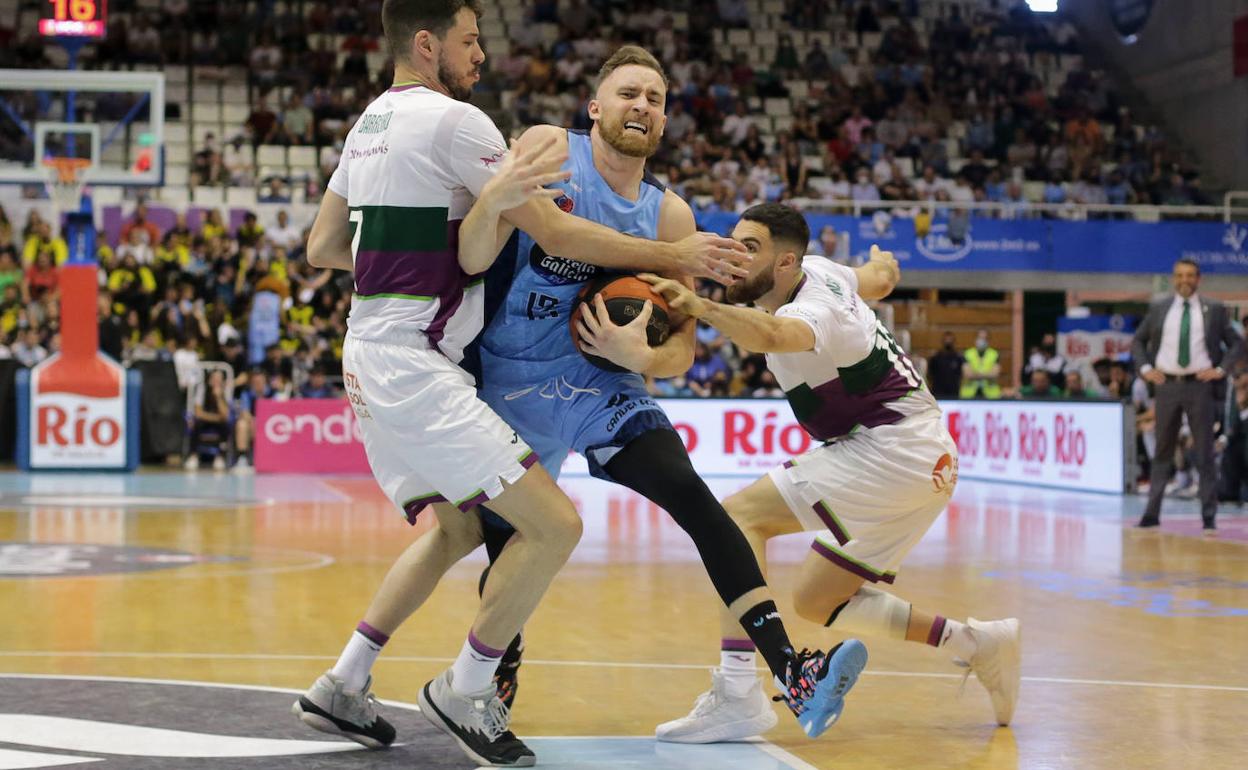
[356, 662]
[737, 668]
[957, 637]
[473, 671]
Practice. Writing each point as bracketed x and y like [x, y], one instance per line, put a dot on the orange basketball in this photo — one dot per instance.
[624, 296]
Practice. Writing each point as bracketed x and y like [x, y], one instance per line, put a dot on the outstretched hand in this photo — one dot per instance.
[707, 255]
[524, 175]
[886, 260]
[679, 296]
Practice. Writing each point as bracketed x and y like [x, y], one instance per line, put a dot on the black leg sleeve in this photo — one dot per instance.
[656, 466]
[496, 533]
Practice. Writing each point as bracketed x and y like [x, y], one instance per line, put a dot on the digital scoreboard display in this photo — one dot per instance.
[75, 18]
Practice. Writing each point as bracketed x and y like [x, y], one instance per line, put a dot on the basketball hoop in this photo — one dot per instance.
[64, 179]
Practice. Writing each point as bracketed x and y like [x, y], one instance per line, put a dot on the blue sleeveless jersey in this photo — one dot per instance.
[528, 338]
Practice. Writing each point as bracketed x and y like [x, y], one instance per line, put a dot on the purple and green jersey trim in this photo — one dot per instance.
[837, 408]
[830, 520]
[849, 563]
[410, 253]
[824, 511]
[413, 506]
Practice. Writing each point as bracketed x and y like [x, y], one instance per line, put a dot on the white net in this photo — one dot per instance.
[64, 180]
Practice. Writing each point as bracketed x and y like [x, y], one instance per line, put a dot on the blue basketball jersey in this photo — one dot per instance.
[528, 337]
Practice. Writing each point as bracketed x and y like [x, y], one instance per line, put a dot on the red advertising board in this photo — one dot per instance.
[308, 435]
[1066, 444]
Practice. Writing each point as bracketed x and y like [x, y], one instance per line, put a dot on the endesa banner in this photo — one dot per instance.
[1067, 444]
[308, 435]
[1073, 445]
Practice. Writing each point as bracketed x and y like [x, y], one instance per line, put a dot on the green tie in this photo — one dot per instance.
[1185, 335]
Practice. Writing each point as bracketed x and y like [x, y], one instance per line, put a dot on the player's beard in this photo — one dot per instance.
[626, 142]
[460, 88]
[747, 291]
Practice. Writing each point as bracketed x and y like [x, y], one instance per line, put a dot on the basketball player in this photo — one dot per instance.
[884, 472]
[409, 172]
[536, 379]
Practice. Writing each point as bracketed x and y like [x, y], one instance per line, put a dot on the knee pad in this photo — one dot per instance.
[872, 612]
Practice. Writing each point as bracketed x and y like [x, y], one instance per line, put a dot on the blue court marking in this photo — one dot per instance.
[1040, 485]
[1116, 593]
[221, 489]
[642, 752]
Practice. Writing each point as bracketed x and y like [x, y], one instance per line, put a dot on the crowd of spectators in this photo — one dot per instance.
[963, 108]
[958, 109]
[200, 293]
[245, 297]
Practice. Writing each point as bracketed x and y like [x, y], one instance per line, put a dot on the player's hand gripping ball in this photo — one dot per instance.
[622, 300]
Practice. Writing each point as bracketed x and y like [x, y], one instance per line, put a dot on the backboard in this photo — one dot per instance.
[114, 120]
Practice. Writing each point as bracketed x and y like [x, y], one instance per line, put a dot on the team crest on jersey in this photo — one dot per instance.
[565, 204]
[559, 270]
[945, 473]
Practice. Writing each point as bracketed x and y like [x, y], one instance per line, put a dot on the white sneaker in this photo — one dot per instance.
[996, 663]
[718, 717]
[191, 463]
[242, 466]
[218, 463]
[330, 708]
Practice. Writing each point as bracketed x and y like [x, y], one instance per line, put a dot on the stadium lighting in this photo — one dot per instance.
[1042, 6]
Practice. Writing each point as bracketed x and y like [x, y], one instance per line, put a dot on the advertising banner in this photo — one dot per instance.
[1043, 245]
[72, 431]
[1072, 445]
[1067, 444]
[1085, 340]
[308, 435]
[80, 425]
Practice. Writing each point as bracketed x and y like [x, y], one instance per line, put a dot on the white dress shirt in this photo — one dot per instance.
[1168, 353]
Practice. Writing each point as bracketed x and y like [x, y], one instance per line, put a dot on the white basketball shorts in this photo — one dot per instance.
[873, 495]
[428, 437]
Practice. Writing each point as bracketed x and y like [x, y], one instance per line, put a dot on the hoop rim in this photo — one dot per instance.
[68, 170]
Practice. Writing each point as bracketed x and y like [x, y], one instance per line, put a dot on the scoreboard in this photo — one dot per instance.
[74, 18]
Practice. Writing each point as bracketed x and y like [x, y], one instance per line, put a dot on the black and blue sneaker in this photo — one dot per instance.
[817, 684]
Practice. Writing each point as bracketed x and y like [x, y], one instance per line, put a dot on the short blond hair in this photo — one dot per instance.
[631, 54]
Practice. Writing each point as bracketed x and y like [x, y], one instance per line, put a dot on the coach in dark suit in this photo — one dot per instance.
[1181, 348]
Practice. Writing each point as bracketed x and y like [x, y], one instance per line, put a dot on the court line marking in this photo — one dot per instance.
[586, 663]
[787, 757]
[328, 485]
[189, 572]
[767, 747]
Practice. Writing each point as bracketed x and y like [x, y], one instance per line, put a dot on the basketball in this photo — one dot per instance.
[624, 296]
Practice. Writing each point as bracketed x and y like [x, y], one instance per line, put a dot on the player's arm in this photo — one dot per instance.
[703, 255]
[675, 355]
[879, 276]
[521, 176]
[627, 345]
[329, 243]
[749, 328]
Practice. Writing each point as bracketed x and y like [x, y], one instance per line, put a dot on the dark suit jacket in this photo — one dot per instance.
[1223, 342]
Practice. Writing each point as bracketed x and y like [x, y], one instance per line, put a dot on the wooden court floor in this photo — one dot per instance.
[1135, 644]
